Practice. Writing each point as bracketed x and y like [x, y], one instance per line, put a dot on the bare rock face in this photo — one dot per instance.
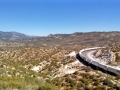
[113, 57]
[98, 53]
[118, 56]
[72, 54]
[67, 69]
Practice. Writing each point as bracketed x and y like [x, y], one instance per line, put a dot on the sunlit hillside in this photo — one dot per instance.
[51, 63]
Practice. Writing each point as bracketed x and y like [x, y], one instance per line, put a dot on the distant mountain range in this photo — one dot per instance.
[12, 35]
[18, 36]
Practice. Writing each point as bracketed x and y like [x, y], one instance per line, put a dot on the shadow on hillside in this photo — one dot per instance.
[92, 66]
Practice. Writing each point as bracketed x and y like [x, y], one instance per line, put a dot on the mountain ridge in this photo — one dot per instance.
[12, 35]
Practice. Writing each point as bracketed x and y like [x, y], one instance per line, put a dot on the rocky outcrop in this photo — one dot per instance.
[72, 54]
[113, 57]
[67, 69]
[98, 53]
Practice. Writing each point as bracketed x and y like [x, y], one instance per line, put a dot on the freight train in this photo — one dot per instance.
[87, 56]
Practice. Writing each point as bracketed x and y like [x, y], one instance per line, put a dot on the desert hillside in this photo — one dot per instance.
[75, 41]
[52, 62]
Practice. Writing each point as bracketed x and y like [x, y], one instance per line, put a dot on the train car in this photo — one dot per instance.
[83, 57]
[89, 60]
[103, 66]
[95, 63]
[114, 70]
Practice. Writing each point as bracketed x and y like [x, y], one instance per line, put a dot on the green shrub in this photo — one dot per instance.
[27, 83]
[100, 88]
[85, 81]
[79, 85]
[97, 82]
[108, 82]
[118, 77]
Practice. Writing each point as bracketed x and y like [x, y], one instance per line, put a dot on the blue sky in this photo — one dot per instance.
[43, 17]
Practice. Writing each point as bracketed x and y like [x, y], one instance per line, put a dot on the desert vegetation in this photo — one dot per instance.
[32, 63]
[86, 80]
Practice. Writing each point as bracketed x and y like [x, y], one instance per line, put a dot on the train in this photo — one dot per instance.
[113, 69]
